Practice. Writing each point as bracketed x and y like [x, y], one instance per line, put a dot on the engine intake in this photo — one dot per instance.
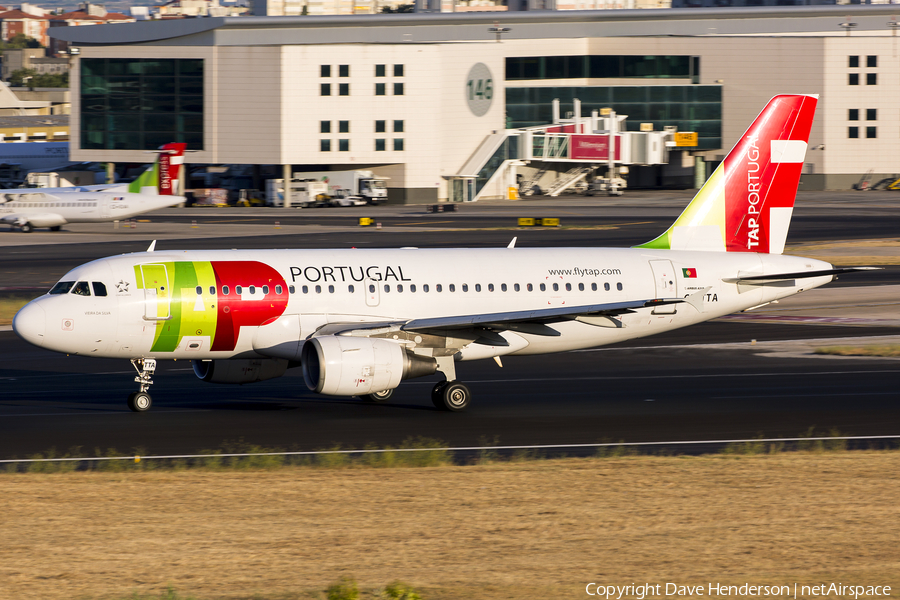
[239, 370]
[351, 366]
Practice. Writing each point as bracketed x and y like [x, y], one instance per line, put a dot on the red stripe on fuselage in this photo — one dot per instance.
[234, 311]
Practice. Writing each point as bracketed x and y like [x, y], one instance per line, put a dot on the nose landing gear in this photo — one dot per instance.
[141, 401]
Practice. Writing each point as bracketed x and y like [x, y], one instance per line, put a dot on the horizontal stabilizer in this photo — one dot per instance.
[764, 279]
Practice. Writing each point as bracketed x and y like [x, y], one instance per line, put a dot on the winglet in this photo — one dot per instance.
[512, 244]
[152, 246]
[696, 299]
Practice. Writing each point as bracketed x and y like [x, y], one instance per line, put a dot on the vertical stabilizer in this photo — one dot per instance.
[160, 179]
[746, 204]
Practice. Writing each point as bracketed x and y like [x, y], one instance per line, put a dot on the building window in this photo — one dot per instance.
[343, 126]
[872, 61]
[871, 78]
[398, 70]
[398, 126]
[324, 126]
[853, 132]
[324, 145]
[379, 89]
[343, 145]
[380, 126]
[344, 89]
[325, 89]
[871, 114]
[398, 89]
[854, 62]
[871, 132]
[141, 104]
[344, 71]
[379, 145]
[853, 114]
[398, 144]
[325, 71]
[853, 79]
[379, 70]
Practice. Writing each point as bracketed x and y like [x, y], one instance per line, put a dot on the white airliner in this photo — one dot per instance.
[361, 321]
[26, 209]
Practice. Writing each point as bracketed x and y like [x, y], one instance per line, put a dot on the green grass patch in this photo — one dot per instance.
[886, 350]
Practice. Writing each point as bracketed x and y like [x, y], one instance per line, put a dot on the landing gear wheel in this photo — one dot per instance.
[382, 396]
[56, 228]
[437, 394]
[26, 228]
[455, 397]
[139, 401]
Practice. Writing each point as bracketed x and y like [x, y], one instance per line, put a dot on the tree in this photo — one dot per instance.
[31, 78]
[20, 40]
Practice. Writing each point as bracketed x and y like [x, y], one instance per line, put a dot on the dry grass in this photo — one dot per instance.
[890, 350]
[9, 307]
[535, 530]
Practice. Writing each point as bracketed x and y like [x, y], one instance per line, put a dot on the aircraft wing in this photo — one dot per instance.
[28, 196]
[534, 322]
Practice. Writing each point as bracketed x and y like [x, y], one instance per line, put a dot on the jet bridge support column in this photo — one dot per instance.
[286, 176]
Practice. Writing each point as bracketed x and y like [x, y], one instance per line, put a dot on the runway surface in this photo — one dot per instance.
[705, 382]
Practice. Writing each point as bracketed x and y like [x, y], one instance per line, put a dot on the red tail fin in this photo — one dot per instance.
[171, 158]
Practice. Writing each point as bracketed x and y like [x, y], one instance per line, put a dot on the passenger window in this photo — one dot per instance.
[225, 290]
[350, 288]
[199, 291]
[318, 289]
[543, 288]
[81, 289]
[606, 286]
[292, 289]
[438, 288]
[465, 287]
[61, 287]
[371, 289]
[330, 289]
[529, 287]
[593, 287]
[412, 287]
[278, 289]
[568, 287]
[266, 290]
[387, 288]
[305, 289]
[425, 288]
[580, 287]
[516, 287]
[452, 287]
[619, 286]
[99, 288]
[399, 287]
[212, 290]
[252, 289]
[555, 287]
[478, 287]
[502, 287]
[238, 290]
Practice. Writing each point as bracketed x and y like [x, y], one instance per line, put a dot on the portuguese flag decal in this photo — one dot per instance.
[689, 273]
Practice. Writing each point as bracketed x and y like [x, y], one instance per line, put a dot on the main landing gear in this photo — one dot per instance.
[451, 395]
[382, 396]
[141, 401]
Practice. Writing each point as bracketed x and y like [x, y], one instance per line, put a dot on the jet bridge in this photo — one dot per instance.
[560, 155]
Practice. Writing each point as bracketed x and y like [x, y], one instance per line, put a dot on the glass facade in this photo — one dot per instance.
[141, 104]
[602, 66]
[688, 107]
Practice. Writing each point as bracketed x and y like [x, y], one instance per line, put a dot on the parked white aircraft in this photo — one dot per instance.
[361, 321]
[26, 209]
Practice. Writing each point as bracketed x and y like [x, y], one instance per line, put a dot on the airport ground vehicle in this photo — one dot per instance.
[362, 183]
[305, 193]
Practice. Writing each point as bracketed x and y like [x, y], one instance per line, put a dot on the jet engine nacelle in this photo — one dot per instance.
[351, 366]
[239, 371]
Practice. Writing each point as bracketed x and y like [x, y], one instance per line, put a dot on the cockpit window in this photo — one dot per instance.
[81, 289]
[99, 288]
[62, 287]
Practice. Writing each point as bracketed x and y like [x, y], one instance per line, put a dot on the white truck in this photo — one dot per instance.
[345, 186]
[304, 193]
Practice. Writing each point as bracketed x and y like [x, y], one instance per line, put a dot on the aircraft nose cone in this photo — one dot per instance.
[30, 323]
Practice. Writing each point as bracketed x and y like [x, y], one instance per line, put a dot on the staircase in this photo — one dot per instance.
[526, 188]
[567, 179]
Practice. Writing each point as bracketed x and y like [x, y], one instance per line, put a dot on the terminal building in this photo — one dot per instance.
[416, 97]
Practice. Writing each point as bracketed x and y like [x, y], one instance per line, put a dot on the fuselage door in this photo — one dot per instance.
[373, 294]
[104, 202]
[666, 284]
[156, 292]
